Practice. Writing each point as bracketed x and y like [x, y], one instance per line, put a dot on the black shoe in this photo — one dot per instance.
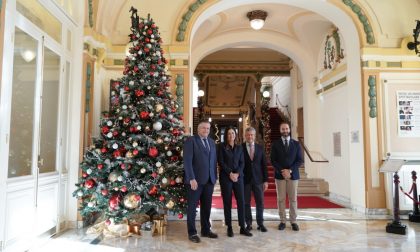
[295, 227]
[262, 228]
[245, 232]
[194, 238]
[210, 234]
[229, 232]
[282, 226]
[249, 227]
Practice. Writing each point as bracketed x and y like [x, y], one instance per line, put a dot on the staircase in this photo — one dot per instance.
[307, 186]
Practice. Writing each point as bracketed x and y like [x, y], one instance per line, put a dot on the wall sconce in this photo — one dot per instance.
[240, 118]
[28, 55]
[200, 93]
[266, 94]
[414, 45]
[257, 18]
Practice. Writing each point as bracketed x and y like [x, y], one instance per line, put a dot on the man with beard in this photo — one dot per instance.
[286, 157]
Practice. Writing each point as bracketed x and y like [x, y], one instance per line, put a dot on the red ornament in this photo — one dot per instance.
[89, 183]
[146, 49]
[160, 93]
[126, 88]
[175, 132]
[137, 197]
[147, 39]
[100, 166]
[105, 129]
[162, 115]
[153, 152]
[115, 133]
[135, 152]
[104, 192]
[116, 153]
[174, 158]
[180, 216]
[104, 150]
[139, 93]
[123, 166]
[154, 174]
[133, 129]
[173, 182]
[153, 190]
[181, 200]
[136, 69]
[127, 120]
[84, 174]
[161, 198]
[153, 26]
[144, 115]
[108, 222]
[123, 189]
[149, 31]
[114, 201]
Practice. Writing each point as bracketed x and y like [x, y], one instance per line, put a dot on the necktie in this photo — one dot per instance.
[206, 144]
[251, 151]
[286, 144]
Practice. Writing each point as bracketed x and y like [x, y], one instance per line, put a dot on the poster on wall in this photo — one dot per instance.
[408, 103]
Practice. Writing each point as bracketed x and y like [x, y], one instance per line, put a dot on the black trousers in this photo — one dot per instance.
[226, 187]
[258, 191]
[203, 194]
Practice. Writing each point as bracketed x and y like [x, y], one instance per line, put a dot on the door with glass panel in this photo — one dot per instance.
[32, 164]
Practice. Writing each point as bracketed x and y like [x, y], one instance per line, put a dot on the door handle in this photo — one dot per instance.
[40, 161]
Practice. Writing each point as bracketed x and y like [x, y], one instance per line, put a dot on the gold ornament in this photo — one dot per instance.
[159, 140]
[129, 154]
[160, 170]
[170, 204]
[158, 107]
[131, 200]
[113, 176]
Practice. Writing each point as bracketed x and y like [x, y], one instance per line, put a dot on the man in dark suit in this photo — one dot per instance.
[286, 157]
[255, 178]
[200, 177]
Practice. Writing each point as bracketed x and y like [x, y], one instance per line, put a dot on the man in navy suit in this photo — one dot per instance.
[200, 177]
[286, 157]
[255, 178]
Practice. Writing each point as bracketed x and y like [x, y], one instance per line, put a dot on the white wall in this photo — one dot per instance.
[335, 119]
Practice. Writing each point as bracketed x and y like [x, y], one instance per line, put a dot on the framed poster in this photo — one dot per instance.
[408, 107]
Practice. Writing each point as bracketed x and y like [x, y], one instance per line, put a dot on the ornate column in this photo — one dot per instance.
[179, 81]
[258, 107]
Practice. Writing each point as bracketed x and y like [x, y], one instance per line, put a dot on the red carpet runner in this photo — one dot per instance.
[270, 202]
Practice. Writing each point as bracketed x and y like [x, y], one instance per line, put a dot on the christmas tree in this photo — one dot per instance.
[135, 166]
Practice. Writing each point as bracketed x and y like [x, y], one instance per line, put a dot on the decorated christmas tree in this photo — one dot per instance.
[135, 166]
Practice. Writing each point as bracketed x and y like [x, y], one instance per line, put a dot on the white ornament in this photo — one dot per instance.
[124, 107]
[80, 193]
[120, 178]
[152, 40]
[142, 170]
[178, 180]
[149, 87]
[158, 164]
[151, 114]
[90, 204]
[170, 117]
[115, 146]
[113, 93]
[158, 53]
[123, 134]
[120, 118]
[89, 171]
[109, 123]
[152, 36]
[156, 74]
[164, 180]
[135, 144]
[109, 135]
[157, 126]
[139, 127]
[163, 77]
[169, 153]
[149, 46]
[160, 170]
[167, 139]
[131, 83]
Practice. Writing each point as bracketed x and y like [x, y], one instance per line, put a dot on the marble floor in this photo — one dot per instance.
[320, 230]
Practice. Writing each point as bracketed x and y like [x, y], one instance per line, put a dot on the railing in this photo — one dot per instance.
[281, 108]
[311, 154]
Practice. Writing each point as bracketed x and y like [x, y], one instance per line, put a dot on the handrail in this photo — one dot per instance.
[309, 154]
[280, 105]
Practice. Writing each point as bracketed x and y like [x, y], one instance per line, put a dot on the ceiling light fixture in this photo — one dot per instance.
[257, 18]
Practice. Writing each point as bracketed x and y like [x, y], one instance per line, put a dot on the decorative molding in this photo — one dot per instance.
[372, 96]
[331, 85]
[179, 81]
[370, 37]
[333, 53]
[88, 88]
[90, 2]
[182, 27]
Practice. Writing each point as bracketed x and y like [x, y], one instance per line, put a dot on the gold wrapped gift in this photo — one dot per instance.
[159, 224]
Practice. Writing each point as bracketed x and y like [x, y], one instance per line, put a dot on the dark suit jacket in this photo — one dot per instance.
[231, 160]
[199, 164]
[292, 159]
[255, 171]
